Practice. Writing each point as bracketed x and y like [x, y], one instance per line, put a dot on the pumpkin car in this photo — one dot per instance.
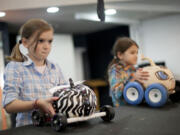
[155, 90]
[77, 102]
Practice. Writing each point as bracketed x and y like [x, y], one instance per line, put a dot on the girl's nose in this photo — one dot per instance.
[136, 56]
[46, 44]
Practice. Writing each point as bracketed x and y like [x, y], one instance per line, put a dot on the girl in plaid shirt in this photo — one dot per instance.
[121, 70]
[28, 78]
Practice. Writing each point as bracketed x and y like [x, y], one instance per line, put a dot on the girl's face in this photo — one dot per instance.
[129, 57]
[40, 51]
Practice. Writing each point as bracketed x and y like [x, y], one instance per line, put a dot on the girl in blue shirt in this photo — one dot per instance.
[121, 69]
[28, 78]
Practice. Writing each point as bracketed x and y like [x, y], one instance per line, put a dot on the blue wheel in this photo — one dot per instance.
[156, 95]
[133, 93]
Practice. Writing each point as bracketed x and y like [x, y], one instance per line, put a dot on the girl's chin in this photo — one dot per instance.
[133, 63]
[42, 58]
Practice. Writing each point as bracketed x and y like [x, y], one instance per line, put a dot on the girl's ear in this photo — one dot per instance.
[119, 55]
[24, 42]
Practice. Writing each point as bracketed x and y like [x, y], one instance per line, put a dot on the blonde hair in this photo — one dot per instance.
[31, 27]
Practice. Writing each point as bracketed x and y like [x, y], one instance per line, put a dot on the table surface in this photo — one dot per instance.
[129, 120]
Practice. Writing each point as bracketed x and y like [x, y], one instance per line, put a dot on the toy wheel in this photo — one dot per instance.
[59, 122]
[110, 113]
[156, 95]
[133, 93]
[54, 104]
[37, 118]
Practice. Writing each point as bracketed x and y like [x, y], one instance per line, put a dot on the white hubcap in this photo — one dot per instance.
[155, 95]
[132, 94]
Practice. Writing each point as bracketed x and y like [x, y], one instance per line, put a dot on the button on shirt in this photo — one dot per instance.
[23, 81]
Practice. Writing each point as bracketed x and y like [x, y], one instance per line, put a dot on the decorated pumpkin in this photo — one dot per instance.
[75, 100]
[161, 75]
[155, 90]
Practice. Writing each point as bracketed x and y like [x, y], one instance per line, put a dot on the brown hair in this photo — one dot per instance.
[31, 27]
[121, 45]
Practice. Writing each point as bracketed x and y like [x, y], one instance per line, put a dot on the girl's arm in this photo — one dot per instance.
[19, 106]
[23, 106]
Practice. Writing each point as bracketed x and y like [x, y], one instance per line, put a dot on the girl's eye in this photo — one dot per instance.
[134, 52]
[41, 41]
[50, 41]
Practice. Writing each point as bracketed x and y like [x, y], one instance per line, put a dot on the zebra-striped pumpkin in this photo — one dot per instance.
[75, 101]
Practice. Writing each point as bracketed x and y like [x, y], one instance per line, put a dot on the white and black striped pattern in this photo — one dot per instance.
[75, 101]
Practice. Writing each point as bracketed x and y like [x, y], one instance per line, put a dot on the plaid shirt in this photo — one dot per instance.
[22, 81]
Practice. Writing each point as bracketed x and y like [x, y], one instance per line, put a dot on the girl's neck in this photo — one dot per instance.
[125, 64]
[37, 62]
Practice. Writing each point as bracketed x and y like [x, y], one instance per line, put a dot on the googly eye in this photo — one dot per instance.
[161, 75]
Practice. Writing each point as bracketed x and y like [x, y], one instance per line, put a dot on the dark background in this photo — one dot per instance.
[99, 45]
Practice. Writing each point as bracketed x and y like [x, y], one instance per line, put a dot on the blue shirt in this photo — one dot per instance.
[22, 81]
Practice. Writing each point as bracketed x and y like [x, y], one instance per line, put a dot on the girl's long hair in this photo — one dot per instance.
[33, 27]
[121, 45]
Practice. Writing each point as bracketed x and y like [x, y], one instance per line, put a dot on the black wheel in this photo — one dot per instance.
[37, 118]
[55, 106]
[59, 122]
[110, 113]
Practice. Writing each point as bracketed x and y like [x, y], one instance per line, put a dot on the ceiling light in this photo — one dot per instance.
[110, 11]
[52, 9]
[2, 14]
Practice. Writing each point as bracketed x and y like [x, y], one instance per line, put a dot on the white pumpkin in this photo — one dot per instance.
[159, 74]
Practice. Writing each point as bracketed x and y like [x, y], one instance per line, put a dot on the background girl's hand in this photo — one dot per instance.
[141, 75]
[46, 105]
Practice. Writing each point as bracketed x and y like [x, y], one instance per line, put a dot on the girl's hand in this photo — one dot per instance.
[141, 75]
[46, 105]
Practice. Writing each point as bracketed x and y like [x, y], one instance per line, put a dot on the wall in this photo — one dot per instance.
[99, 49]
[160, 40]
[1, 67]
[63, 53]
[1, 62]
[79, 63]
